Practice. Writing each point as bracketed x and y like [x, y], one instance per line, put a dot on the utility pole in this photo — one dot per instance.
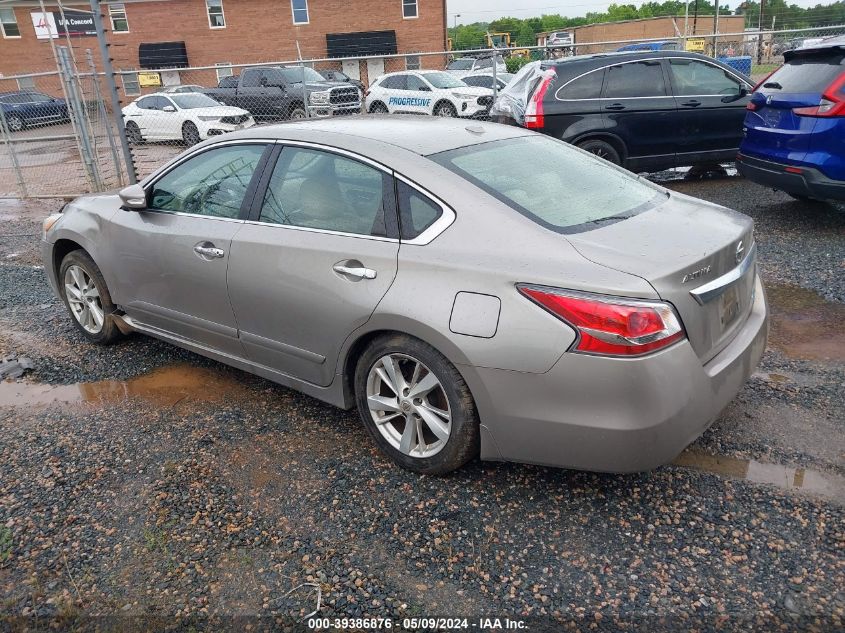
[716, 30]
[695, 18]
[760, 36]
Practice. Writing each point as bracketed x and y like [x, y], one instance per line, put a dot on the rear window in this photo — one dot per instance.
[552, 183]
[806, 74]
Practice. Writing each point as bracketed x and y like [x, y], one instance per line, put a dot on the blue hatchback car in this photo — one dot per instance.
[794, 130]
[27, 108]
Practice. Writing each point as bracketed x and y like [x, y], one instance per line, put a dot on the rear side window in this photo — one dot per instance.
[550, 182]
[416, 212]
[806, 74]
[586, 87]
[638, 79]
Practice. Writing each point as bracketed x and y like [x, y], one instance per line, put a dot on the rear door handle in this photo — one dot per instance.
[692, 103]
[355, 271]
[615, 106]
[207, 250]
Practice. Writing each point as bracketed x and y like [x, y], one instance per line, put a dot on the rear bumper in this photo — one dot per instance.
[810, 182]
[614, 415]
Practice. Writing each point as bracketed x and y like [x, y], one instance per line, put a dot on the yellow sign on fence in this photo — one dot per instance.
[149, 80]
[696, 44]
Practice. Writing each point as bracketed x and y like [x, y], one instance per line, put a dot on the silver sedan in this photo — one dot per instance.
[473, 289]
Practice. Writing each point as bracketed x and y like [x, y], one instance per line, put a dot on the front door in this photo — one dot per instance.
[638, 108]
[710, 110]
[316, 261]
[173, 257]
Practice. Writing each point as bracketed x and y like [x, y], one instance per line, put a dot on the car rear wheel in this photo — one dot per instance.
[416, 406]
[133, 133]
[602, 149]
[14, 122]
[378, 108]
[445, 109]
[190, 134]
[87, 298]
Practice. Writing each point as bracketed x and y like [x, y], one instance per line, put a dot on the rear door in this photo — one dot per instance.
[710, 105]
[576, 107]
[773, 130]
[639, 109]
[315, 259]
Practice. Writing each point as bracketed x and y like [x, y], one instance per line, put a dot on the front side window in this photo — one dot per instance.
[212, 184]
[216, 19]
[117, 13]
[551, 183]
[586, 87]
[319, 190]
[692, 77]
[638, 79]
[415, 83]
[9, 23]
[300, 11]
[148, 103]
[410, 9]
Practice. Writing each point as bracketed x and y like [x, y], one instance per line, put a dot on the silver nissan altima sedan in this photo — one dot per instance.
[474, 289]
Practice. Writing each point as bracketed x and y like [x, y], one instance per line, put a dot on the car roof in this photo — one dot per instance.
[831, 43]
[371, 134]
[596, 60]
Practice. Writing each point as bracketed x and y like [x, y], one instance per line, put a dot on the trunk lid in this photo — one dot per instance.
[679, 246]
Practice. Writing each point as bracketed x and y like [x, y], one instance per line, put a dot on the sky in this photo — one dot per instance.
[488, 10]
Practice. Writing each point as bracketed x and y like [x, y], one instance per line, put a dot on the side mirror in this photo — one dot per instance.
[168, 108]
[133, 198]
[743, 92]
[425, 89]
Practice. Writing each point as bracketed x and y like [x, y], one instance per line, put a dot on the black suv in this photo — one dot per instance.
[647, 110]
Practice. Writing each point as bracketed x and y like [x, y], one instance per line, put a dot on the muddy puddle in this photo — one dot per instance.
[804, 325]
[786, 477]
[164, 387]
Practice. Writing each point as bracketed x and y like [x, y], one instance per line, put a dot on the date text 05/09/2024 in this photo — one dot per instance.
[418, 623]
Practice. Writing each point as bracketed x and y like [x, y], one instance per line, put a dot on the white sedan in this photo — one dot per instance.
[427, 92]
[190, 117]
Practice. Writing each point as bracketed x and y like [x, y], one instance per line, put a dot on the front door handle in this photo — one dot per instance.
[615, 106]
[207, 250]
[354, 271]
[692, 103]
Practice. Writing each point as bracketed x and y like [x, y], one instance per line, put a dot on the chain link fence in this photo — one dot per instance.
[67, 143]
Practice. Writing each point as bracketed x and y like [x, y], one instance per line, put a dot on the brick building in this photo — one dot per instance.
[167, 34]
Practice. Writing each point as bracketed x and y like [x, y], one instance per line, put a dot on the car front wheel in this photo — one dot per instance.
[87, 298]
[416, 406]
[445, 109]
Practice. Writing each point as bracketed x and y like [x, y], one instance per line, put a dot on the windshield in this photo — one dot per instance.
[441, 80]
[555, 185]
[293, 74]
[807, 73]
[188, 101]
[460, 64]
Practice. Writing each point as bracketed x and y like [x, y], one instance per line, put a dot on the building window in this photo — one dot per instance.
[300, 11]
[412, 62]
[9, 23]
[224, 69]
[26, 83]
[117, 13]
[410, 9]
[131, 86]
[216, 19]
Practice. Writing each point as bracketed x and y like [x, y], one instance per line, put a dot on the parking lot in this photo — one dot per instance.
[141, 480]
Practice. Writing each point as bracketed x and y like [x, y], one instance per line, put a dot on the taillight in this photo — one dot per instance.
[611, 326]
[534, 117]
[832, 102]
[752, 106]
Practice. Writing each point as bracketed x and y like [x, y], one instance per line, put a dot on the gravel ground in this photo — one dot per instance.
[167, 499]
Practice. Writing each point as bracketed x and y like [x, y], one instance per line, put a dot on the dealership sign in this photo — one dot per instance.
[59, 24]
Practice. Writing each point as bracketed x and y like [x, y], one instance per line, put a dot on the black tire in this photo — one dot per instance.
[15, 123]
[805, 199]
[602, 149]
[109, 332]
[133, 133]
[296, 113]
[446, 109]
[378, 108]
[463, 442]
[190, 134]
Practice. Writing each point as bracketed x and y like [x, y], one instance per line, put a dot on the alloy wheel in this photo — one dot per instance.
[15, 123]
[83, 297]
[409, 406]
